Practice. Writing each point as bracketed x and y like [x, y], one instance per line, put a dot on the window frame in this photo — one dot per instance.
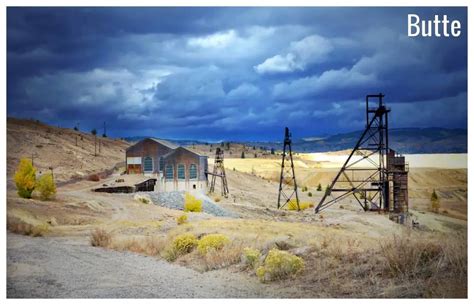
[167, 166]
[145, 159]
[183, 167]
[191, 177]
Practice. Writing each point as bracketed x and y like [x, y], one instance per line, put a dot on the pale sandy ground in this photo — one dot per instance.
[446, 161]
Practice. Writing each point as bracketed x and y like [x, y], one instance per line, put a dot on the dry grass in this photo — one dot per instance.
[415, 265]
[150, 245]
[100, 238]
[220, 258]
[18, 226]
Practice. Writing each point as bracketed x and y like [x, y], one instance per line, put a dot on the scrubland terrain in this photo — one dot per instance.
[346, 252]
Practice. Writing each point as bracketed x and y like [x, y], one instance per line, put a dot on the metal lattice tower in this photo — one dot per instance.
[219, 171]
[288, 187]
[364, 174]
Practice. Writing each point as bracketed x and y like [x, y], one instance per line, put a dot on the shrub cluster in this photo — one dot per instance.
[181, 244]
[26, 183]
[279, 265]
[182, 219]
[192, 204]
[212, 241]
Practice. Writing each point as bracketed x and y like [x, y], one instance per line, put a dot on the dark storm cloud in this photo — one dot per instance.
[231, 73]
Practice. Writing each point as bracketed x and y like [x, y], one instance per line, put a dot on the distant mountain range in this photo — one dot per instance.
[403, 140]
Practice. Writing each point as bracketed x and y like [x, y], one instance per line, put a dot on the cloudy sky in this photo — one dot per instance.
[231, 73]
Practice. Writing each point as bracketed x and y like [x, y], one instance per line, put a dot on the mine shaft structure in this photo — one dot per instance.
[219, 172]
[373, 174]
[288, 188]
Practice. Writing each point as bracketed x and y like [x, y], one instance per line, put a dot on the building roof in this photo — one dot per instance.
[165, 143]
[184, 148]
[159, 141]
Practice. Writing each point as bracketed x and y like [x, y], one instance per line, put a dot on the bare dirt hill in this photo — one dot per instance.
[70, 153]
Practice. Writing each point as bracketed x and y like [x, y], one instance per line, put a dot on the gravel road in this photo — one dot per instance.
[70, 268]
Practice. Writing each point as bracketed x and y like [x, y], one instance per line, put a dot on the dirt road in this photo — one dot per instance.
[70, 268]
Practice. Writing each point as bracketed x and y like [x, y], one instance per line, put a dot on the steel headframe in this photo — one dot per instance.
[288, 187]
[219, 171]
[370, 181]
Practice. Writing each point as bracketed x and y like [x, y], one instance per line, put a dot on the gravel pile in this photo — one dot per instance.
[175, 200]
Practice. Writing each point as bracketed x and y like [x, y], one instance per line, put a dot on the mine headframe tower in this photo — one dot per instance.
[364, 175]
[219, 171]
[288, 187]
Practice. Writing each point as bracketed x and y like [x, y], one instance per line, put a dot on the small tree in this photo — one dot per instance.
[75, 128]
[242, 155]
[25, 178]
[435, 202]
[272, 151]
[46, 186]
[320, 188]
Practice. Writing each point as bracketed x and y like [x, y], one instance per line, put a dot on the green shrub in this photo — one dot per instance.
[304, 188]
[320, 188]
[251, 257]
[46, 186]
[182, 219]
[212, 241]
[310, 194]
[192, 204]
[25, 178]
[279, 265]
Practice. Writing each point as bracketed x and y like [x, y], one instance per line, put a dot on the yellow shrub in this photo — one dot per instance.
[46, 187]
[212, 241]
[25, 178]
[280, 265]
[251, 257]
[292, 205]
[182, 219]
[184, 243]
[192, 204]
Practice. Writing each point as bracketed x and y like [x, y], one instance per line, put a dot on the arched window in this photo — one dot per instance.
[169, 172]
[147, 164]
[162, 164]
[181, 170]
[192, 171]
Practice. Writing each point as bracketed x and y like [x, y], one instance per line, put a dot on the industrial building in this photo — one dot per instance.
[176, 168]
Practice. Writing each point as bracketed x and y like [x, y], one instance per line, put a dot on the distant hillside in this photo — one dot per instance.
[70, 153]
[403, 140]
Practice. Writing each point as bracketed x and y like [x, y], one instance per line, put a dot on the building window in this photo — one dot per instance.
[192, 171]
[147, 164]
[181, 171]
[162, 164]
[169, 172]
